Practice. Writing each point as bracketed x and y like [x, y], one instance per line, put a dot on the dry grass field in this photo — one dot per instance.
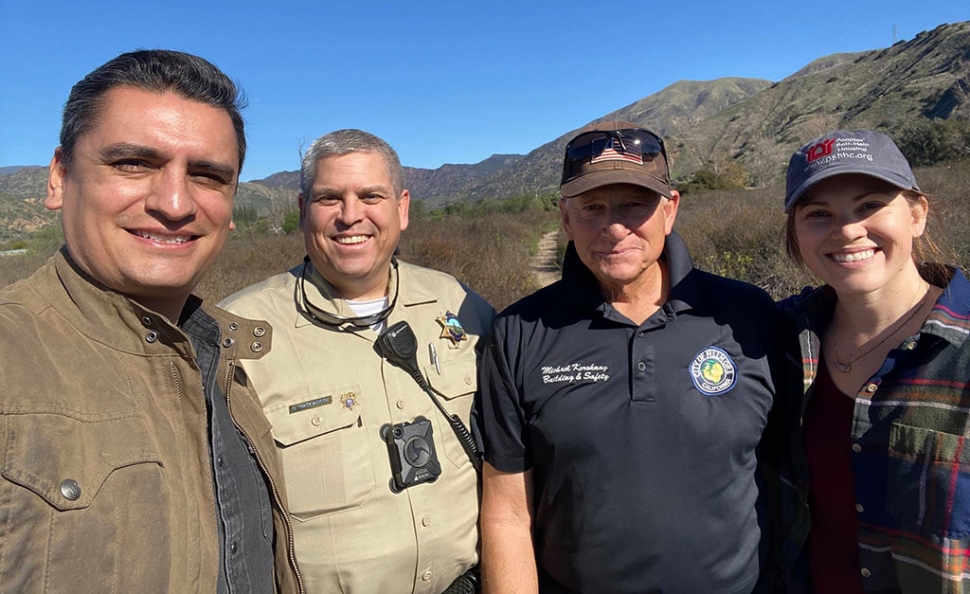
[490, 252]
[737, 234]
[740, 234]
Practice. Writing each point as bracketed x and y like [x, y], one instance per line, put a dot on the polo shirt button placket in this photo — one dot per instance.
[641, 366]
[865, 572]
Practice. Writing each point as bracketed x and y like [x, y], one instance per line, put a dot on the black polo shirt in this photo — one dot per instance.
[642, 439]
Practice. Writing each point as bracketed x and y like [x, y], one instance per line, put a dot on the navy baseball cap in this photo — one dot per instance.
[846, 151]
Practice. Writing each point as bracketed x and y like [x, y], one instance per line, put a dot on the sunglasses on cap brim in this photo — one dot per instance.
[634, 142]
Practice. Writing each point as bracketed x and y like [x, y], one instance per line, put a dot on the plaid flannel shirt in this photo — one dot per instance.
[911, 456]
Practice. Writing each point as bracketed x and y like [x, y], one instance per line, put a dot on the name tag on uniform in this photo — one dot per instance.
[295, 408]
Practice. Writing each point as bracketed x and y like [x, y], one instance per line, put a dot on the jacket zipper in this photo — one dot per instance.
[272, 486]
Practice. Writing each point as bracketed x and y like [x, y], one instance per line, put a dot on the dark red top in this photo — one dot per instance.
[833, 544]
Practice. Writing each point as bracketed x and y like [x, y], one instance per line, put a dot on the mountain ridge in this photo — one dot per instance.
[754, 122]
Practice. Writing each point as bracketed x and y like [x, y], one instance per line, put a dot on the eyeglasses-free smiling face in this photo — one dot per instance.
[856, 233]
[352, 222]
[619, 232]
[146, 201]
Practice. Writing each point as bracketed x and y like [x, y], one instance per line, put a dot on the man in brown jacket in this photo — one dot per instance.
[134, 455]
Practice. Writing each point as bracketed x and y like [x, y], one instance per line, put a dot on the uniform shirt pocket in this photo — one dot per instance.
[455, 386]
[928, 481]
[325, 452]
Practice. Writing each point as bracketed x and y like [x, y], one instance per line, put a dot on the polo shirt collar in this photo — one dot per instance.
[684, 293]
[582, 287]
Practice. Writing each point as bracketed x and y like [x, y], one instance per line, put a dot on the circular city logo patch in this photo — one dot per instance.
[713, 371]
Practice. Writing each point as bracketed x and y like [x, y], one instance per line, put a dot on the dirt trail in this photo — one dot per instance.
[544, 263]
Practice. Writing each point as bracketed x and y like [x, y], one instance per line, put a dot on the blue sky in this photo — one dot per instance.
[443, 82]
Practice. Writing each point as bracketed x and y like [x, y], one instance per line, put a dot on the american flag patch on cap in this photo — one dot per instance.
[614, 151]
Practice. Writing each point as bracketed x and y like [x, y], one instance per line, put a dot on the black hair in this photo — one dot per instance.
[157, 70]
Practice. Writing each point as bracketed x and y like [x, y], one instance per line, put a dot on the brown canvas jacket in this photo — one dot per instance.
[105, 471]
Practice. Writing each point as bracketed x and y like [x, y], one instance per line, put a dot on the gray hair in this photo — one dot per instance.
[343, 142]
[157, 71]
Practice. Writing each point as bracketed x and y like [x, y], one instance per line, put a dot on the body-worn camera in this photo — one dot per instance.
[414, 459]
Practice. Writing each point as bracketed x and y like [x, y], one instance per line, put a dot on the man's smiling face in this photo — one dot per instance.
[146, 199]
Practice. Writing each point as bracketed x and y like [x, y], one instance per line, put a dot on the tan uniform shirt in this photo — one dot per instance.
[105, 472]
[327, 393]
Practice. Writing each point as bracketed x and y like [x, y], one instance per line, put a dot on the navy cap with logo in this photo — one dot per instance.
[846, 151]
[614, 153]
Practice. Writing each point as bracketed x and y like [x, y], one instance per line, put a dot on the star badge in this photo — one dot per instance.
[451, 329]
[349, 400]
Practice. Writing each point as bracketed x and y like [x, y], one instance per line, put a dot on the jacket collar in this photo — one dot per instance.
[949, 319]
[115, 320]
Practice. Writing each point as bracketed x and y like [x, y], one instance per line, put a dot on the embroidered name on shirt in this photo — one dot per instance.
[295, 408]
[575, 372]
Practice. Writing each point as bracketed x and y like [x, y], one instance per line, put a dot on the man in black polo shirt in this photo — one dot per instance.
[622, 406]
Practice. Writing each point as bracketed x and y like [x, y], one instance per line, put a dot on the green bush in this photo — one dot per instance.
[291, 222]
[929, 142]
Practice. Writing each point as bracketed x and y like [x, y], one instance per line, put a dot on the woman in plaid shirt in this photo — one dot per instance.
[880, 467]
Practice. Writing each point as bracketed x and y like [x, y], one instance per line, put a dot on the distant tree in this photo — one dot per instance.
[291, 222]
[927, 142]
[715, 175]
[418, 209]
[729, 174]
[762, 162]
[52, 233]
[244, 216]
[281, 204]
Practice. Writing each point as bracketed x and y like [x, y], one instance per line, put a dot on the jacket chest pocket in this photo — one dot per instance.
[325, 452]
[929, 481]
[455, 387]
[94, 490]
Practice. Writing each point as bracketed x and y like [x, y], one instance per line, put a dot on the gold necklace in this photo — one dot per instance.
[846, 366]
